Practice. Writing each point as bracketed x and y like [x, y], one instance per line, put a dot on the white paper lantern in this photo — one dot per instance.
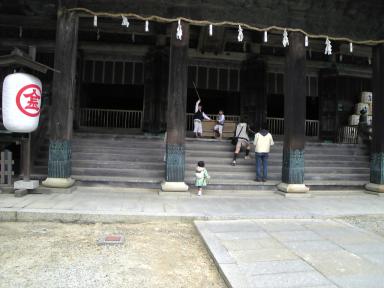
[354, 120]
[370, 111]
[21, 102]
[369, 120]
[360, 106]
[366, 97]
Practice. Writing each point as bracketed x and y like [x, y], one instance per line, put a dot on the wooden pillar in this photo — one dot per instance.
[294, 116]
[155, 90]
[376, 184]
[176, 112]
[63, 94]
[253, 93]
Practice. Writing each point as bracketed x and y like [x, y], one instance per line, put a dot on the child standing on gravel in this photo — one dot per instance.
[201, 177]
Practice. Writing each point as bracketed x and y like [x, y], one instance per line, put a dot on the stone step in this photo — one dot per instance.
[112, 156]
[276, 158]
[215, 147]
[272, 167]
[137, 161]
[219, 177]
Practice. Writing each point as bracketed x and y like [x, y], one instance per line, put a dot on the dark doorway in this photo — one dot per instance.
[214, 100]
[112, 96]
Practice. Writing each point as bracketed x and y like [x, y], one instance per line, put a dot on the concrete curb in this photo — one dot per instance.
[87, 216]
[67, 216]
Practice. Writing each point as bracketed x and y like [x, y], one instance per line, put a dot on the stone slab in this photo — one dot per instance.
[299, 258]
[175, 193]
[293, 188]
[174, 187]
[267, 254]
[21, 192]
[275, 267]
[376, 189]
[49, 190]
[58, 182]
[23, 184]
[289, 280]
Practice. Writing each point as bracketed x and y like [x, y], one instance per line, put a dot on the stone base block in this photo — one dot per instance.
[58, 182]
[376, 189]
[23, 184]
[21, 192]
[174, 187]
[293, 188]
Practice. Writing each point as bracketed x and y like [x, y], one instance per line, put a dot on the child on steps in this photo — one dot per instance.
[201, 177]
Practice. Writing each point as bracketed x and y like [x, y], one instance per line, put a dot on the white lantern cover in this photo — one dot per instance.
[21, 102]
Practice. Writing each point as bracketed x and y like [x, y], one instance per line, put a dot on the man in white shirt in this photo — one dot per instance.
[197, 118]
[263, 142]
[218, 129]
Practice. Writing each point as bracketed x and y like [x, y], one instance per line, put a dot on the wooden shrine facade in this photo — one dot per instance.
[161, 67]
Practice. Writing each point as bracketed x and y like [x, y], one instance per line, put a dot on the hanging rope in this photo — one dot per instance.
[225, 23]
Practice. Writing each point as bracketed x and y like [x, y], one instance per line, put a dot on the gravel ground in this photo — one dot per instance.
[158, 254]
[373, 223]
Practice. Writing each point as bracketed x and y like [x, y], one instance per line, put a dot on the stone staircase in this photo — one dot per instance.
[328, 166]
[137, 162]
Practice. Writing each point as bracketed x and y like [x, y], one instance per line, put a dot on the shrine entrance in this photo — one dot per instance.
[110, 96]
[213, 101]
[111, 106]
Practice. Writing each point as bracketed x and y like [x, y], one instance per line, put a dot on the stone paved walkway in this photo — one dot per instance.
[290, 242]
[294, 253]
[110, 206]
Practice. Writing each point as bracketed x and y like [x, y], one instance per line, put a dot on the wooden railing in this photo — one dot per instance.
[235, 118]
[312, 128]
[347, 135]
[6, 168]
[132, 119]
[276, 127]
[110, 118]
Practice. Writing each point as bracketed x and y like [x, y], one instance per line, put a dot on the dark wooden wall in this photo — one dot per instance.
[338, 96]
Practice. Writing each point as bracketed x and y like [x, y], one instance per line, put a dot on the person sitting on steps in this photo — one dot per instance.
[218, 129]
[242, 137]
[198, 118]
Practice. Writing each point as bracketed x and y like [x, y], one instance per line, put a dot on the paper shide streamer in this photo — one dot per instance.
[179, 32]
[285, 38]
[328, 47]
[240, 36]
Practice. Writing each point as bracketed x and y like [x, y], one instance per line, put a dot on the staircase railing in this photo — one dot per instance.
[110, 118]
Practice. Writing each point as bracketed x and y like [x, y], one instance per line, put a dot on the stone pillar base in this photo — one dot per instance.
[376, 189]
[293, 189]
[26, 184]
[174, 187]
[58, 182]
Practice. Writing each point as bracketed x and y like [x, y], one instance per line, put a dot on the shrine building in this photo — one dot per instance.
[118, 99]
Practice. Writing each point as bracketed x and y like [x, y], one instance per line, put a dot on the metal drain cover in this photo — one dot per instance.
[111, 239]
